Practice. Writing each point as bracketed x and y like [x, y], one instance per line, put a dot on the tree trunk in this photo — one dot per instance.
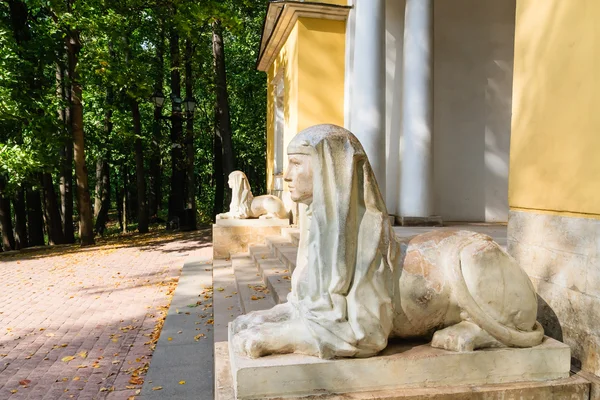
[218, 177]
[34, 218]
[98, 194]
[102, 217]
[189, 140]
[176, 195]
[155, 195]
[21, 240]
[66, 192]
[123, 205]
[102, 201]
[142, 205]
[84, 205]
[155, 178]
[66, 152]
[6, 228]
[223, 121]
[53, 221]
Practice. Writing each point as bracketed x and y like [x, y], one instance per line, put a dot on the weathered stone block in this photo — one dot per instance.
[235, 235]
[560, 254]
[401, 365]
[574, 387]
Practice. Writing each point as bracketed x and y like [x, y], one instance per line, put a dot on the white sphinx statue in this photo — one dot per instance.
[243, 205]
[356, 285]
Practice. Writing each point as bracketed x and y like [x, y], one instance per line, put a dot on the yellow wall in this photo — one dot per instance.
[555, 142]
[286, 63]
[312, 61]
[321, 58]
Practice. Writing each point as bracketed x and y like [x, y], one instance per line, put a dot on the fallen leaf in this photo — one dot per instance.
[169, 338]
[82, 354]
[67, 358]
[14, 391]
[182, 382]
[24, 382]
[157, 388]
[136, 380]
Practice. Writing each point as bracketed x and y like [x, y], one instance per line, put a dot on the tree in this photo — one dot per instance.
[189, 139]
[176, 194]
[222, 118]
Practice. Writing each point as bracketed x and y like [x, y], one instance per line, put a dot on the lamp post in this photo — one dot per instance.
[181, 110]
[189, 104]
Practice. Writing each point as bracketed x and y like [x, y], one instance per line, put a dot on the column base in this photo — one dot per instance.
[432, 220]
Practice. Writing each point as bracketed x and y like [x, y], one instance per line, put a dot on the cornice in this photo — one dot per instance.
[280, 20]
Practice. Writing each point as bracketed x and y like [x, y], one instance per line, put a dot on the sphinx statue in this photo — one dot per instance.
[243, 205]
[356, 284]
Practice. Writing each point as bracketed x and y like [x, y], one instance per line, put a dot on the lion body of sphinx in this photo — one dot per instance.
[447, 277]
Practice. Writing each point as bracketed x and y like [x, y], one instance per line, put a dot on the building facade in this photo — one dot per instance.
[472, 110]
[365, 64]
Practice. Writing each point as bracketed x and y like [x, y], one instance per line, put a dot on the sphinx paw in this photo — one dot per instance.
[250, 343]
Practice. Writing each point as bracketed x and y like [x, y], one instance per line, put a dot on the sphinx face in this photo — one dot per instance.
[299, 176]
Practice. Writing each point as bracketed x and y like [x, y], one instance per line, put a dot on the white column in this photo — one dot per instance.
[416, 199]
[367, 105]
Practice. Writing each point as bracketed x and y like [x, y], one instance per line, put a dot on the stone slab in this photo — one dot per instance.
[402, 365]
[252, 292]
[184, 351]
[240, 234]
[434, 220]
[254, 222]
[226, 299]
[277, 278]
[575, 387]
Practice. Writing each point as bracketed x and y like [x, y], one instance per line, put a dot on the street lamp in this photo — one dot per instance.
[158, 98]
[190, 105]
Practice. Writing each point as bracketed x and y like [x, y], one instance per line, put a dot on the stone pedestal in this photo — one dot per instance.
[232, 236]
[402, 365]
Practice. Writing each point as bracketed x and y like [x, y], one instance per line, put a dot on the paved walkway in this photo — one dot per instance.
[82, 323]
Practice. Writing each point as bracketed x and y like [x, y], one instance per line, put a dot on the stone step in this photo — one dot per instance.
[226, 300]
[277, 278]
[260, 252]
[293, 234]
[252, 292]
[287, 255]
[273, 241]
[275, 269]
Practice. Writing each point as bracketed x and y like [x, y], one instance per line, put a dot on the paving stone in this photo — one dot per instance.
[102, 300]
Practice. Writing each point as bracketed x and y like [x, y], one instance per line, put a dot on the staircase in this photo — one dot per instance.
[256, 280]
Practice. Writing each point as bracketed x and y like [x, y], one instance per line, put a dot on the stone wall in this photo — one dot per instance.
[561, 254]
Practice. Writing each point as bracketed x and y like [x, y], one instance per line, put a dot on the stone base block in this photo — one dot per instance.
[574, 387]
[402, 365]
[232, 236]
[434, 220]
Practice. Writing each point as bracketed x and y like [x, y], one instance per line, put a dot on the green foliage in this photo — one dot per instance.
[117, 63]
